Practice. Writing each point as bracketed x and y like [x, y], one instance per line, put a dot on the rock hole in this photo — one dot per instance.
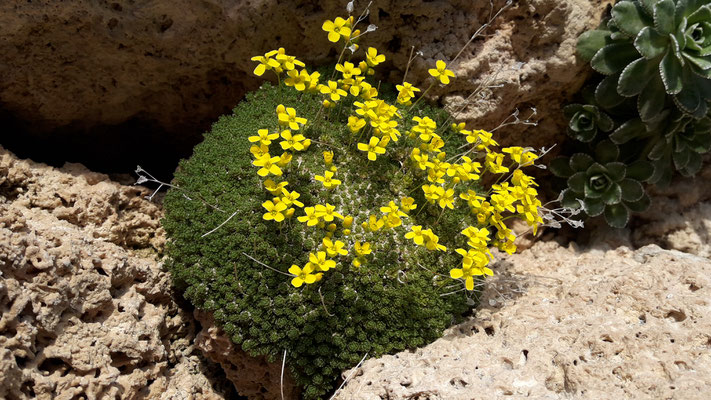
[525, 354]
[693, 287]
[28, 389]
[642, 319]
[508, 364]
[682, 365]
[489, 330]
[395, 44]
[21, 361]
[113, 22]
[52, 365]
[116, 7]
[606, 338]
[382, 13]
[676, 315]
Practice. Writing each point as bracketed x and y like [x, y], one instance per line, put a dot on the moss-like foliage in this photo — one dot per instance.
[391, 303]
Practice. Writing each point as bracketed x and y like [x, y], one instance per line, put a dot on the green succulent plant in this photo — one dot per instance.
[604, 185]
[585, 120]
[650, 48]
[677, 144]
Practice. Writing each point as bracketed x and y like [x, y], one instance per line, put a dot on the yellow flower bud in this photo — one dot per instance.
[290, 213]
[332, 227]
[333, 168]
[346, 232]
[328, 157]
[348, 221]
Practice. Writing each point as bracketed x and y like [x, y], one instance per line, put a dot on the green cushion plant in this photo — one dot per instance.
[328, 219]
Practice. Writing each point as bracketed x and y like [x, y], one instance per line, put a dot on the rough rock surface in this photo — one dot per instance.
[75, 68]
[567, 323]
[255, 378]
[87, 311]
[680, 216]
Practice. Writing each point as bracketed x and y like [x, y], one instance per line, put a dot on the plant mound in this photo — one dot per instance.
[394, 301]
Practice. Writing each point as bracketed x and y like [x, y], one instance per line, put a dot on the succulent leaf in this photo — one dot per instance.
[616, 170]
[651, 101]
[606, 92]
[639, 205]
[632, 190]
[591, 42]
[630, 17]
[629, 130]
[617, 215]
[569, 199]
[577, 182]
[606, 152]
[613, 58]
[681, 159]
[664, 16]
[670, 69]
[580, 162]
[593, 207]
[650, 44]
[560, 167]
[635, 76]
[693, 166]
[613, 194]
[640, 171]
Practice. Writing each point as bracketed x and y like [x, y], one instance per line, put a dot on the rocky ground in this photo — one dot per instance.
[86, 308]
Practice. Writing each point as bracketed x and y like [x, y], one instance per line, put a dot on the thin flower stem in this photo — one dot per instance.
[420, 98]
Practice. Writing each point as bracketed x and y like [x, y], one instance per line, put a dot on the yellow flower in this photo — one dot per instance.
[441, 72]
[355, 124]
[327, 212]
[302, 276]
[362, 249]
[408, 204]
[274, 211]
[273, 187]
[446, 198]
[373, 148]
[417, 235]
[348, 70]
[327, 180]
[311, 82]
[328, 157]
[298, 80]
[319, 261]
[406, 92]
[432, 241]
[332, 89]
[258, 151]
[268, 165]
[263, 137]
[372, 57]
[432, 193]
[285, 159]
[265, 63]
[422, 160]
[290, 198]
[485, 139]
[458, 127]
[336, 29]
[311, 218]
[287, 117]
[373, 224]
[291, 141]
[334, 248]
[478, 238]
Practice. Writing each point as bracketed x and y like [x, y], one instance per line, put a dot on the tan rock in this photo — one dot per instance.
[567, 323]
[680, 216]
[178, 64]
[83, 314]
[255, 378]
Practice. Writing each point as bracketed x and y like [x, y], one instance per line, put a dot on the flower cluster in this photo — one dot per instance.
[449, 181]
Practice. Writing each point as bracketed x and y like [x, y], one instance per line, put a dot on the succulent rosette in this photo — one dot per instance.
[650, 48]
[585, 120]
[601, 184]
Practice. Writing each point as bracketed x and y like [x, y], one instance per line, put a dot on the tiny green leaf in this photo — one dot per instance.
[612, 195]
[593, 207]
[577, 182]
[670, 69]
[616, 171]
[664, 16]
[606, 152]
[580, 162]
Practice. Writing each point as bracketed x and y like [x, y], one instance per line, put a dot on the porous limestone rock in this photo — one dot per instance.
[561, 323]
[76, 68]
[254, 378]
[680, 216]
[87, 311]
